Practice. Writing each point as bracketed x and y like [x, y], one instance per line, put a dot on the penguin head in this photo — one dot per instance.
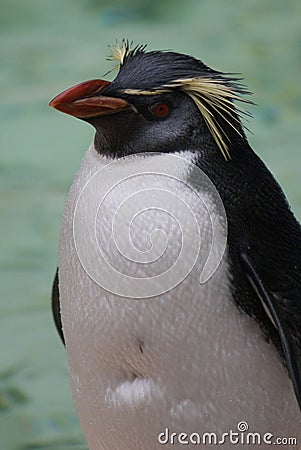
[160, 101]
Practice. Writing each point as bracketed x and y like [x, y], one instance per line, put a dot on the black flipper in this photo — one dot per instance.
[269, 300]
[56, 309]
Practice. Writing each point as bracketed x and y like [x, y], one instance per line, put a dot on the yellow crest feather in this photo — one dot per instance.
[118, 52]
[219, 96]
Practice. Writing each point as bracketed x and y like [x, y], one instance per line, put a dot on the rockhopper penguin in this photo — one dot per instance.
[150, 361]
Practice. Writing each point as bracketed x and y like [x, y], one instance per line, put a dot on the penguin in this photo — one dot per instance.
[159, 356]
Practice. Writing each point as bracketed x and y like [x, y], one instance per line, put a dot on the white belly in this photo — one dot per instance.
[186, 360]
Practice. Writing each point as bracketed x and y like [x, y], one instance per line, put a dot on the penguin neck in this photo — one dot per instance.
[126, 133]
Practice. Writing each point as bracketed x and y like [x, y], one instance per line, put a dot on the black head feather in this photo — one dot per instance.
[156, 72]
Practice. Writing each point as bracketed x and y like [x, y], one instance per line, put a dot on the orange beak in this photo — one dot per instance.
[84, 100]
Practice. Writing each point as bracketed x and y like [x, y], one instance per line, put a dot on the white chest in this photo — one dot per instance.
[149, 346]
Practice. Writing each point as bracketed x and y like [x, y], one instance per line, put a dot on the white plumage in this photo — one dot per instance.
[187, 360]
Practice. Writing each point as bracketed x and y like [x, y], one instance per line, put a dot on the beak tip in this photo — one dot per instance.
[53, 103]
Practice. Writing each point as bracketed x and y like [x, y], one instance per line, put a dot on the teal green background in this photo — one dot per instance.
[48, 45]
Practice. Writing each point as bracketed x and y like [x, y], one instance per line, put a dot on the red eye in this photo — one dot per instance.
[161, 109]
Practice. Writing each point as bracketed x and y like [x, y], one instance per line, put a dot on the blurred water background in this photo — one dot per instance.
[48, 45]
